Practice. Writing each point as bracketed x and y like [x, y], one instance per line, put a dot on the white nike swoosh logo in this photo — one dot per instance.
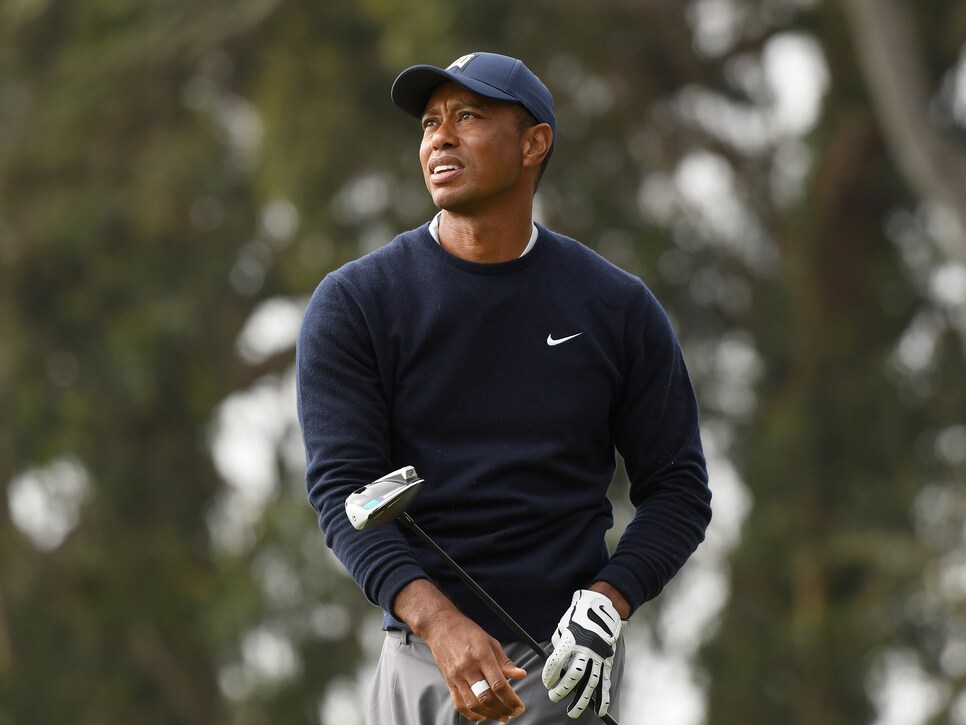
[552, 342]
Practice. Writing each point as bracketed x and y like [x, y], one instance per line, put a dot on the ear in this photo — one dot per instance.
[537, 142]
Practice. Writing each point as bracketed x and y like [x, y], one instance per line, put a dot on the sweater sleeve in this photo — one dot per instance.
[656, 432]
[344, 415]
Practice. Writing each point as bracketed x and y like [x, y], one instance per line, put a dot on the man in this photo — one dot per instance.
[505, 363]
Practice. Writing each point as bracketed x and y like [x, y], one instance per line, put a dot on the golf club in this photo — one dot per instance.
[385, 500]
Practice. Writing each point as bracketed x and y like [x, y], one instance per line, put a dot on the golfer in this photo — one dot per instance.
[508, 364]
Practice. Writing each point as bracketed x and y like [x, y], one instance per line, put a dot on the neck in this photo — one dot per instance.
[486, 240]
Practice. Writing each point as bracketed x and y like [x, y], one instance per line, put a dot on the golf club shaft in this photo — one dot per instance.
[477, 589]
[481, 593]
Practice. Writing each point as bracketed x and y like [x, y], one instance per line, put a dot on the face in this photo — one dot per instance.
[473, 151]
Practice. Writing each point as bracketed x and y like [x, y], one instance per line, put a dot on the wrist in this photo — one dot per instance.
[620, 604]
[422, 607]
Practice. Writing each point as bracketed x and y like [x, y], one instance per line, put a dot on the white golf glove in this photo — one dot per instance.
[583, 653]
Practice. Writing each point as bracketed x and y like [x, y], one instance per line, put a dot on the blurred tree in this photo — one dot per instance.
[917, 114]
[126, 210]
[829, 576]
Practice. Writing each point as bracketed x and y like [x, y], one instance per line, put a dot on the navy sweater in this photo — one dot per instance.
[411, 356]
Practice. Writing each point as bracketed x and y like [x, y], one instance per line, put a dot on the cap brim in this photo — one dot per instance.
[413, 87]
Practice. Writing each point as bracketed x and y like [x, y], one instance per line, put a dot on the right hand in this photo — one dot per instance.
[466, 654]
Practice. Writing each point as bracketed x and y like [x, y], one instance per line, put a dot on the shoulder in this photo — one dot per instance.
[369, 278]
[376, 269]
[402, 250]
[592, 269]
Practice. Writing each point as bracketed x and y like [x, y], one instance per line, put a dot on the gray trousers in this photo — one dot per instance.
[409, 690]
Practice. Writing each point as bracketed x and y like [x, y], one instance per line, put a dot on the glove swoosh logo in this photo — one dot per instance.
[551, 342]
[596, 619]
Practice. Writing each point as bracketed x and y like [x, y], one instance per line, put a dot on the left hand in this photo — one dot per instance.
[583, 653]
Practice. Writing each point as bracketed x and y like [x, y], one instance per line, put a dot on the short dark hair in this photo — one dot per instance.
[526, 120]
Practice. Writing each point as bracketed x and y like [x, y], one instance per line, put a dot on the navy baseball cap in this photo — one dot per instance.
[488, 74]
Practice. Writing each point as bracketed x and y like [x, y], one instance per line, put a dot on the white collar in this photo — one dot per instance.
[434, 230]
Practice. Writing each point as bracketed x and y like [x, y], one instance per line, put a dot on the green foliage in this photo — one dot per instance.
[146, 151]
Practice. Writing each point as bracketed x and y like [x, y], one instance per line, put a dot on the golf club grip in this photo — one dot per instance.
[487, 599]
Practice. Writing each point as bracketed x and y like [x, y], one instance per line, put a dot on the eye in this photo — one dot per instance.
[429, 122]
[466, 114]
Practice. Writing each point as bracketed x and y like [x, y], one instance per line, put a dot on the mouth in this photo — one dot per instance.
[443, 169]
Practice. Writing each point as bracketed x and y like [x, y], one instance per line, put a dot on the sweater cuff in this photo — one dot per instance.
[395, 582]
[629, 583]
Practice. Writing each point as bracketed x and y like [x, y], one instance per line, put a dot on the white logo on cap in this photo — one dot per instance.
[461, 63]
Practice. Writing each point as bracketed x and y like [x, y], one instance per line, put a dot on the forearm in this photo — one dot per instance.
[665, 530]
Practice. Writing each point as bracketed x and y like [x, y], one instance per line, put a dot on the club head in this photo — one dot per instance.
[382, 500]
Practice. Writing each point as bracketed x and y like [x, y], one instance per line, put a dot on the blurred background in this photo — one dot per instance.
[788, 176]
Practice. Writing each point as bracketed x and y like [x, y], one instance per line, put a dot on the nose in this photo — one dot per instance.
[444, 135]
